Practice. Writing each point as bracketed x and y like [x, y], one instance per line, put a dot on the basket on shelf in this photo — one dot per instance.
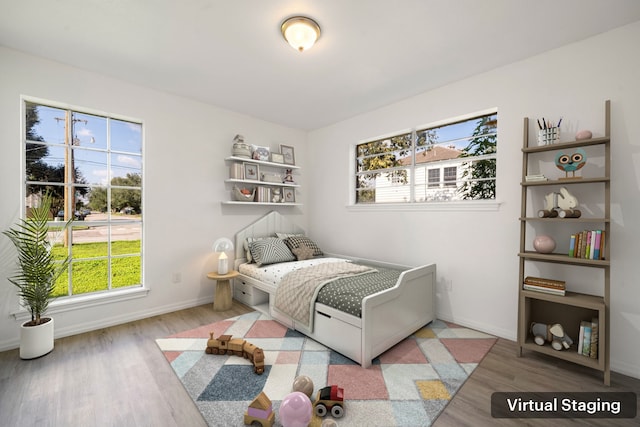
[239, 196]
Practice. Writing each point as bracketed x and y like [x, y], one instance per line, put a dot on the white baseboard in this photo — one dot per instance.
[113, 321]
[625, 369]
[478, 326]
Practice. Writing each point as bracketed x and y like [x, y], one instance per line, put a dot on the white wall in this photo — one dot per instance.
[185, 143]
[476, 251]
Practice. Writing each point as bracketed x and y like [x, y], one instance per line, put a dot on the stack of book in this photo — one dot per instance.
[549, 286]
[588, 339]
[538, 177]
[587, 244]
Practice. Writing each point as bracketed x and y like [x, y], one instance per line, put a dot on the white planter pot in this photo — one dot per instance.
[36, 341]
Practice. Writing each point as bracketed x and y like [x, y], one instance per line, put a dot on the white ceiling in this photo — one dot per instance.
[231, 53]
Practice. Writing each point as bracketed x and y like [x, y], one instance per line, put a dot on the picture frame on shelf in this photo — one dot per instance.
[277, 158]
[261, 153]
[251, 171]
[288, 195]
[289, 154]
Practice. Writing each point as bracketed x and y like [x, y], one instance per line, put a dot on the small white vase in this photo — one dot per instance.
[36, 341]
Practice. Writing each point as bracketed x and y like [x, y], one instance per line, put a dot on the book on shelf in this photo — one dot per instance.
[597, 243]
[587, 244]
[583, 244]
[535, 177]
[540, 281]
[544, 289]
[593, 351]
[586, 338]
[572, 245]
[585, 333]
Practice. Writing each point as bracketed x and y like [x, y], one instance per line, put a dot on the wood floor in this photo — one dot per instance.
[118, 377]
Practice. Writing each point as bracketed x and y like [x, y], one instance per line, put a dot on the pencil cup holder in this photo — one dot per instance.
[549, 136]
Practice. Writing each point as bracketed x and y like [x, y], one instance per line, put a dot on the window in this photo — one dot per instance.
[450, 176]
[450, 162]
[91, 164]
[434, 178]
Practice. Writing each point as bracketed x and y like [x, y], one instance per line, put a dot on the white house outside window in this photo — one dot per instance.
[445, 163]
[91, 165]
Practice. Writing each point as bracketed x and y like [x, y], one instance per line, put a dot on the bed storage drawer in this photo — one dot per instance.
[247, 294]
[345, 337]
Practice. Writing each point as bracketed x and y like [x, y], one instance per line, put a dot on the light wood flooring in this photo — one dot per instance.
[118, 377]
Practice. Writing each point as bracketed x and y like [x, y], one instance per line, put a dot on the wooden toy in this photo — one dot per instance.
[330, 398]
[553, 333]
[560, 204]
[570, 163]
[225, 344]
[260, 411]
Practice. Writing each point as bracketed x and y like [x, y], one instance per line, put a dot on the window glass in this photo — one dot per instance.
[92, 166]
[449, 162]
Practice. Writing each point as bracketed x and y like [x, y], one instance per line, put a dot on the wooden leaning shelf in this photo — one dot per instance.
[571, 308]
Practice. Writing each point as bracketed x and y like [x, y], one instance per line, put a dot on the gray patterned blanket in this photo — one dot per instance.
[298, 289]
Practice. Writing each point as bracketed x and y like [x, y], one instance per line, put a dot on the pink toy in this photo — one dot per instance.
[295, 410]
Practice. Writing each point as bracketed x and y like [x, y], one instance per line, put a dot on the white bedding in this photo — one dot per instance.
[273, 273]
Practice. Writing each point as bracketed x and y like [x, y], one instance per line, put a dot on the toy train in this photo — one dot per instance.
[225, 344]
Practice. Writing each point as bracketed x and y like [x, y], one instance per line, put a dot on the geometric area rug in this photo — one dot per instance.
[408, 385]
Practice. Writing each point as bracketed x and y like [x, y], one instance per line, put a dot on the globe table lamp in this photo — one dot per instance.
[222, 246]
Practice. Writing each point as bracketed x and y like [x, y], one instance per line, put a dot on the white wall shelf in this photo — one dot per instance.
[263, 187]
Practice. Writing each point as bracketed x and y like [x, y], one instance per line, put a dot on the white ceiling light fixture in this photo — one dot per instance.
[300, 32]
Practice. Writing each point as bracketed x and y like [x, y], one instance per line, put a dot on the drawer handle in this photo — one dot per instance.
[323, 314]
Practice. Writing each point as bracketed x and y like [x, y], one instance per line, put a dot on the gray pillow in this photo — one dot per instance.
[270, 251]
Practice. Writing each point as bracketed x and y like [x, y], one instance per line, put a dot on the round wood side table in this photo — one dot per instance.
[222, 297]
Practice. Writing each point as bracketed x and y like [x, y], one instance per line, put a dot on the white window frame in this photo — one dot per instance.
[458, 205]
[77, 301]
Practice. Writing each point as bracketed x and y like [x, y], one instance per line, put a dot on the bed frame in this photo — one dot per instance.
[388, 316]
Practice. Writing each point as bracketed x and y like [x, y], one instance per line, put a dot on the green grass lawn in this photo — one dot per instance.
[90, 268]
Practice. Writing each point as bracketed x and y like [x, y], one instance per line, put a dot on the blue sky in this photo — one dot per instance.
[91, 135]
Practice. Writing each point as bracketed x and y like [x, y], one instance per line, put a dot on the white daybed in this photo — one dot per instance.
[388, 316]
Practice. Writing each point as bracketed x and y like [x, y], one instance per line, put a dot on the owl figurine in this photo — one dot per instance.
[570, 163]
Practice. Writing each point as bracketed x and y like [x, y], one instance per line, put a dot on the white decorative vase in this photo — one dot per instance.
[36, 341]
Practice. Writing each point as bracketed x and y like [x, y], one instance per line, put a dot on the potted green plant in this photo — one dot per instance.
[35, 276]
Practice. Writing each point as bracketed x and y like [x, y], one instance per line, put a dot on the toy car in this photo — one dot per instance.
[330, 398]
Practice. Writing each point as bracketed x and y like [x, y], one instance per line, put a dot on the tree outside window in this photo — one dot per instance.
[92, 166]
[450, 162]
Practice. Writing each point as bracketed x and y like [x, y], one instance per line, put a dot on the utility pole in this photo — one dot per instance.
[69, 169]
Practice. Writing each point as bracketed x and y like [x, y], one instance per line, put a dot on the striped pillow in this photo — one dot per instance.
[247, 243]
[270, 251]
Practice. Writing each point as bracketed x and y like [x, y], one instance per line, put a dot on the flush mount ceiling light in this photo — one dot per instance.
[300, 32]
